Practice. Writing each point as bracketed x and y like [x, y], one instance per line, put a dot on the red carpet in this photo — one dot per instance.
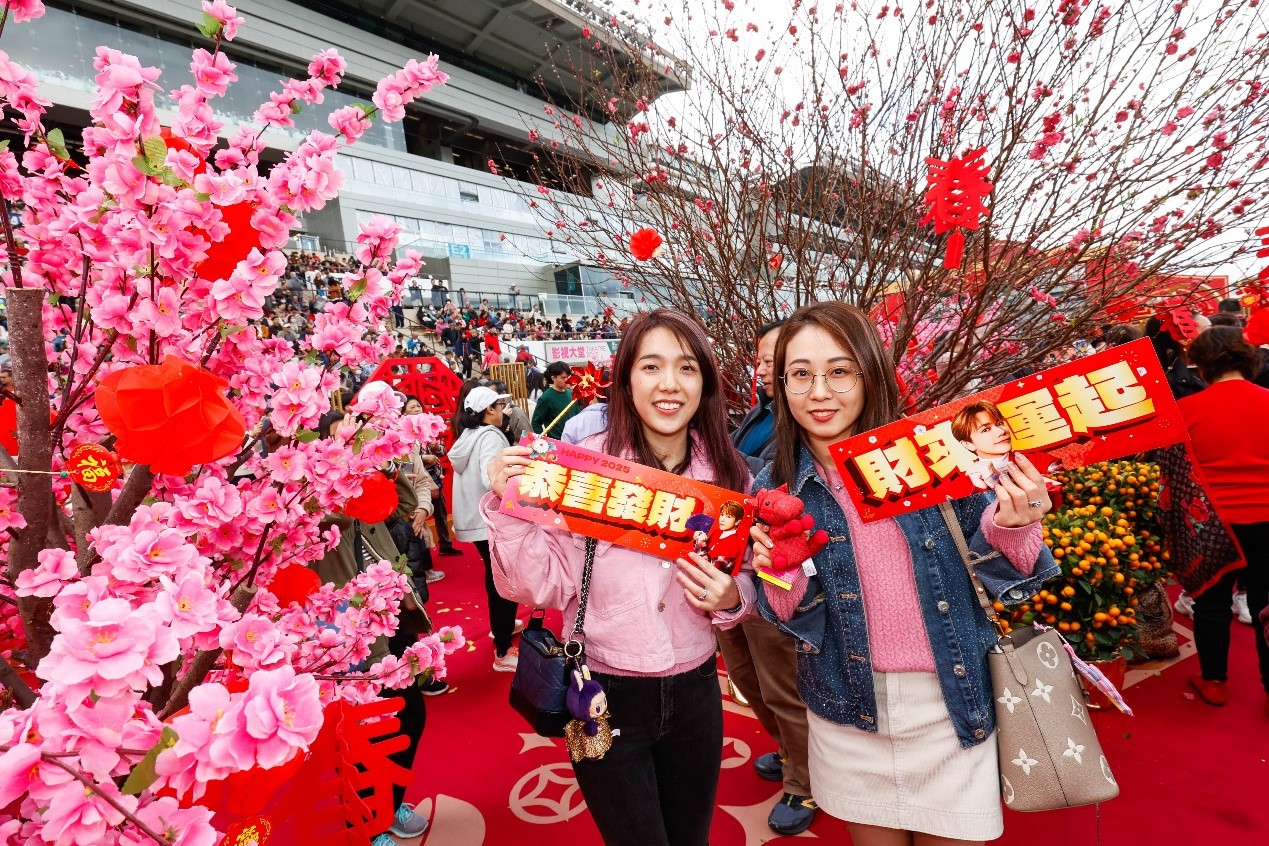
[1189, 773]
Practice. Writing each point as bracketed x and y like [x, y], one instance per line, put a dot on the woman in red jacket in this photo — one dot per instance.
[1227, 423]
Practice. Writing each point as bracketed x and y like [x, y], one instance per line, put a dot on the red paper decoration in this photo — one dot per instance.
[1179, 323]
[223, 255]
[171, 416]
[587, 382]
[174, 142]
[252, 831]
[93, 467]
[646, 244]
[1257, 329]
[294, 583]
[957, 188]
[377, 501]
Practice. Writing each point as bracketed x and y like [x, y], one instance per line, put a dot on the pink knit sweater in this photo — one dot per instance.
[892, 611]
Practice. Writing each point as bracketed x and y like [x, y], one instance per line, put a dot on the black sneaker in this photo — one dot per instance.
[449, 550]
[434, 687]
[769, 767]
[792, 814]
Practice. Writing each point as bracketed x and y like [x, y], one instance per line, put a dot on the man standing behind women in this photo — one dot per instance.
[650, 634]
[892, 643]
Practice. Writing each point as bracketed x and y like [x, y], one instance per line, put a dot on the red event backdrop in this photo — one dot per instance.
[1105, 406]
[596, 495]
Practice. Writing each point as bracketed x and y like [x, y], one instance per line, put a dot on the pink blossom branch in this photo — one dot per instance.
[92, 787]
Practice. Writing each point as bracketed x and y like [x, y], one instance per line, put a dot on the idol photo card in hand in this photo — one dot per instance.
[611, 499]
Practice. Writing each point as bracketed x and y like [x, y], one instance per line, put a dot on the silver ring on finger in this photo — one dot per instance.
[704, 595]
[1036, 503]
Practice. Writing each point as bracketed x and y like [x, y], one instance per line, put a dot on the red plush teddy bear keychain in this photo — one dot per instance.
[796, 541]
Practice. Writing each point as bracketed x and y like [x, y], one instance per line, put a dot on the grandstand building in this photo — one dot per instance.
[430, 172]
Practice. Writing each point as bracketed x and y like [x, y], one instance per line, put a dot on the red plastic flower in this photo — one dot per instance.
[378, 499]
[587, 382]
[646, 244]
[171, 416]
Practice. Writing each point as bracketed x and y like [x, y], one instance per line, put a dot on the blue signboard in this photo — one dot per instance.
[459, 251]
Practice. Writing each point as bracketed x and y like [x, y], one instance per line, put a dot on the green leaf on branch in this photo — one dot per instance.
[209, 26]
[358, 288]
[367, 111]
[143, 166]
[4, 145]
[57, 144]
[155, 151]
[54, 299]
[296, 108]
[229, 329]
[306, 436]
[143, 774]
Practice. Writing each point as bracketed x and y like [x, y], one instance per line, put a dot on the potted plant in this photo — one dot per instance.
[1107, 543]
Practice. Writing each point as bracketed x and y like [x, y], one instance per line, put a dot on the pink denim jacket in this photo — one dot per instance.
[638, 622]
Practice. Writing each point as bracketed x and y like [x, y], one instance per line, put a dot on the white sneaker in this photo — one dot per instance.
[1240, 607]
[1184, 605]
[507, 663]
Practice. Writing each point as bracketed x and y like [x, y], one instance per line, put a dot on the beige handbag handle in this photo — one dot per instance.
[971, 560]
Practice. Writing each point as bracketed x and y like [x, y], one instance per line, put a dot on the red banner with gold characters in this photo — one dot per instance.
[596, 495]
[1104, 406]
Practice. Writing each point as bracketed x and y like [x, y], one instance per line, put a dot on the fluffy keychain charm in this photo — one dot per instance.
[587, 734]
[796, 541]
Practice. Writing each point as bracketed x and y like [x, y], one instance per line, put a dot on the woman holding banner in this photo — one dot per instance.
[892, 642]
[650, 622]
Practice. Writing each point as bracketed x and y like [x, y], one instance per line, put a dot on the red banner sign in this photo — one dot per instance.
[596, 495]
[1105, 406]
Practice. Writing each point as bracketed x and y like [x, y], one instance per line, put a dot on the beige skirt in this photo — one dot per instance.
[911, 774]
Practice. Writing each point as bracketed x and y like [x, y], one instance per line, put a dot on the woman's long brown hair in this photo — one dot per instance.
[853, 330]
[625, 428]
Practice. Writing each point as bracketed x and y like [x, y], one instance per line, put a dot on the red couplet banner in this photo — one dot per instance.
[1105, 406]
[596, 495]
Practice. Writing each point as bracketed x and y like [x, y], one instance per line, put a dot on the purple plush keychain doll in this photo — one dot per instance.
[587, 734]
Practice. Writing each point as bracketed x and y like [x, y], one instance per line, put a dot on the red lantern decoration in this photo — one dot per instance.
[957, 188]
[377, 501]
[223, 255]
[646, 244]
[170, 416]
[93, 467]
[174, 142]
[294, 583]
[587, 382]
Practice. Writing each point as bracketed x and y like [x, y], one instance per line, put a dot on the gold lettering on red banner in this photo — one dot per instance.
[1034, 420]
[1104, 398]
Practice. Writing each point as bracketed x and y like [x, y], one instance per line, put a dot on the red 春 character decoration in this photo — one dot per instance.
[377, 500]
[93, 467]
[957, 188]
[1178, 322]
[587, 383]
[646, 244]
[171, 416]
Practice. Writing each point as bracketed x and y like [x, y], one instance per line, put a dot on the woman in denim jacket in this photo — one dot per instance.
[650, 625]
[891, 641]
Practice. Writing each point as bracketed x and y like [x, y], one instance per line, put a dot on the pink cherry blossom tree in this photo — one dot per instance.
[139, 622]
[1124, 139]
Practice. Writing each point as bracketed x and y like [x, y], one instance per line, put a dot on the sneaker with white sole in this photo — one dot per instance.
[519, 627]
[1240, 607]
[384, 839]
[1184, 605]
[507, 663]
[407, 823]
[434, 576]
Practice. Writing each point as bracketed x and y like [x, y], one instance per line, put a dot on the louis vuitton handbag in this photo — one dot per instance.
[1050, 757]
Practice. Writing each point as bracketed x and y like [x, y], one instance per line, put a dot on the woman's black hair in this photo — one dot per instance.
[1221, 350]
[465, 419]
[1166, 347]
[326, 426]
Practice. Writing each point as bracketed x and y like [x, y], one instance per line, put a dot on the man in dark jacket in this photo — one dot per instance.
[761, 662]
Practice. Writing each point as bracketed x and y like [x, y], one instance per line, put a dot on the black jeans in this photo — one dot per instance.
[1213, 614]
[502, 612]
[442, 522]
[657, 785]
[413, 715]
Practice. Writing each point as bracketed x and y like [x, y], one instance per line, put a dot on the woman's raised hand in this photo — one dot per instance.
[506, 465]
[1021, 498]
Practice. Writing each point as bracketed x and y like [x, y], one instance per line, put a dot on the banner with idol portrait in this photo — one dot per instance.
[1104, 406]
[610, 499]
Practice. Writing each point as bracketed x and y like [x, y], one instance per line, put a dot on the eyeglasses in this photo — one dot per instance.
[839, 380]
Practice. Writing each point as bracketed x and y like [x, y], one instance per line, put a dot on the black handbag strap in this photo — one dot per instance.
[971, 560]
[575, 647]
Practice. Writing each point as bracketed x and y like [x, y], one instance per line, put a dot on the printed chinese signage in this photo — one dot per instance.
[1105, 406]
[596, 495]
[599, 352]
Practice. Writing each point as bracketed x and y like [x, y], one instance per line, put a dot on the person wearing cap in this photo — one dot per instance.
[480, 440]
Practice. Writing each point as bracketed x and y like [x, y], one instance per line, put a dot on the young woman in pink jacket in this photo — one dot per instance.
[649, 622]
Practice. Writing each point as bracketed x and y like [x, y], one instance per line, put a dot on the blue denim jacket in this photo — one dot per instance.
[834, 665]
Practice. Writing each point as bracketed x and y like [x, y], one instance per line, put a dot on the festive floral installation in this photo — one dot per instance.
[143, 650]
[646, 244]
[1106, 537]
